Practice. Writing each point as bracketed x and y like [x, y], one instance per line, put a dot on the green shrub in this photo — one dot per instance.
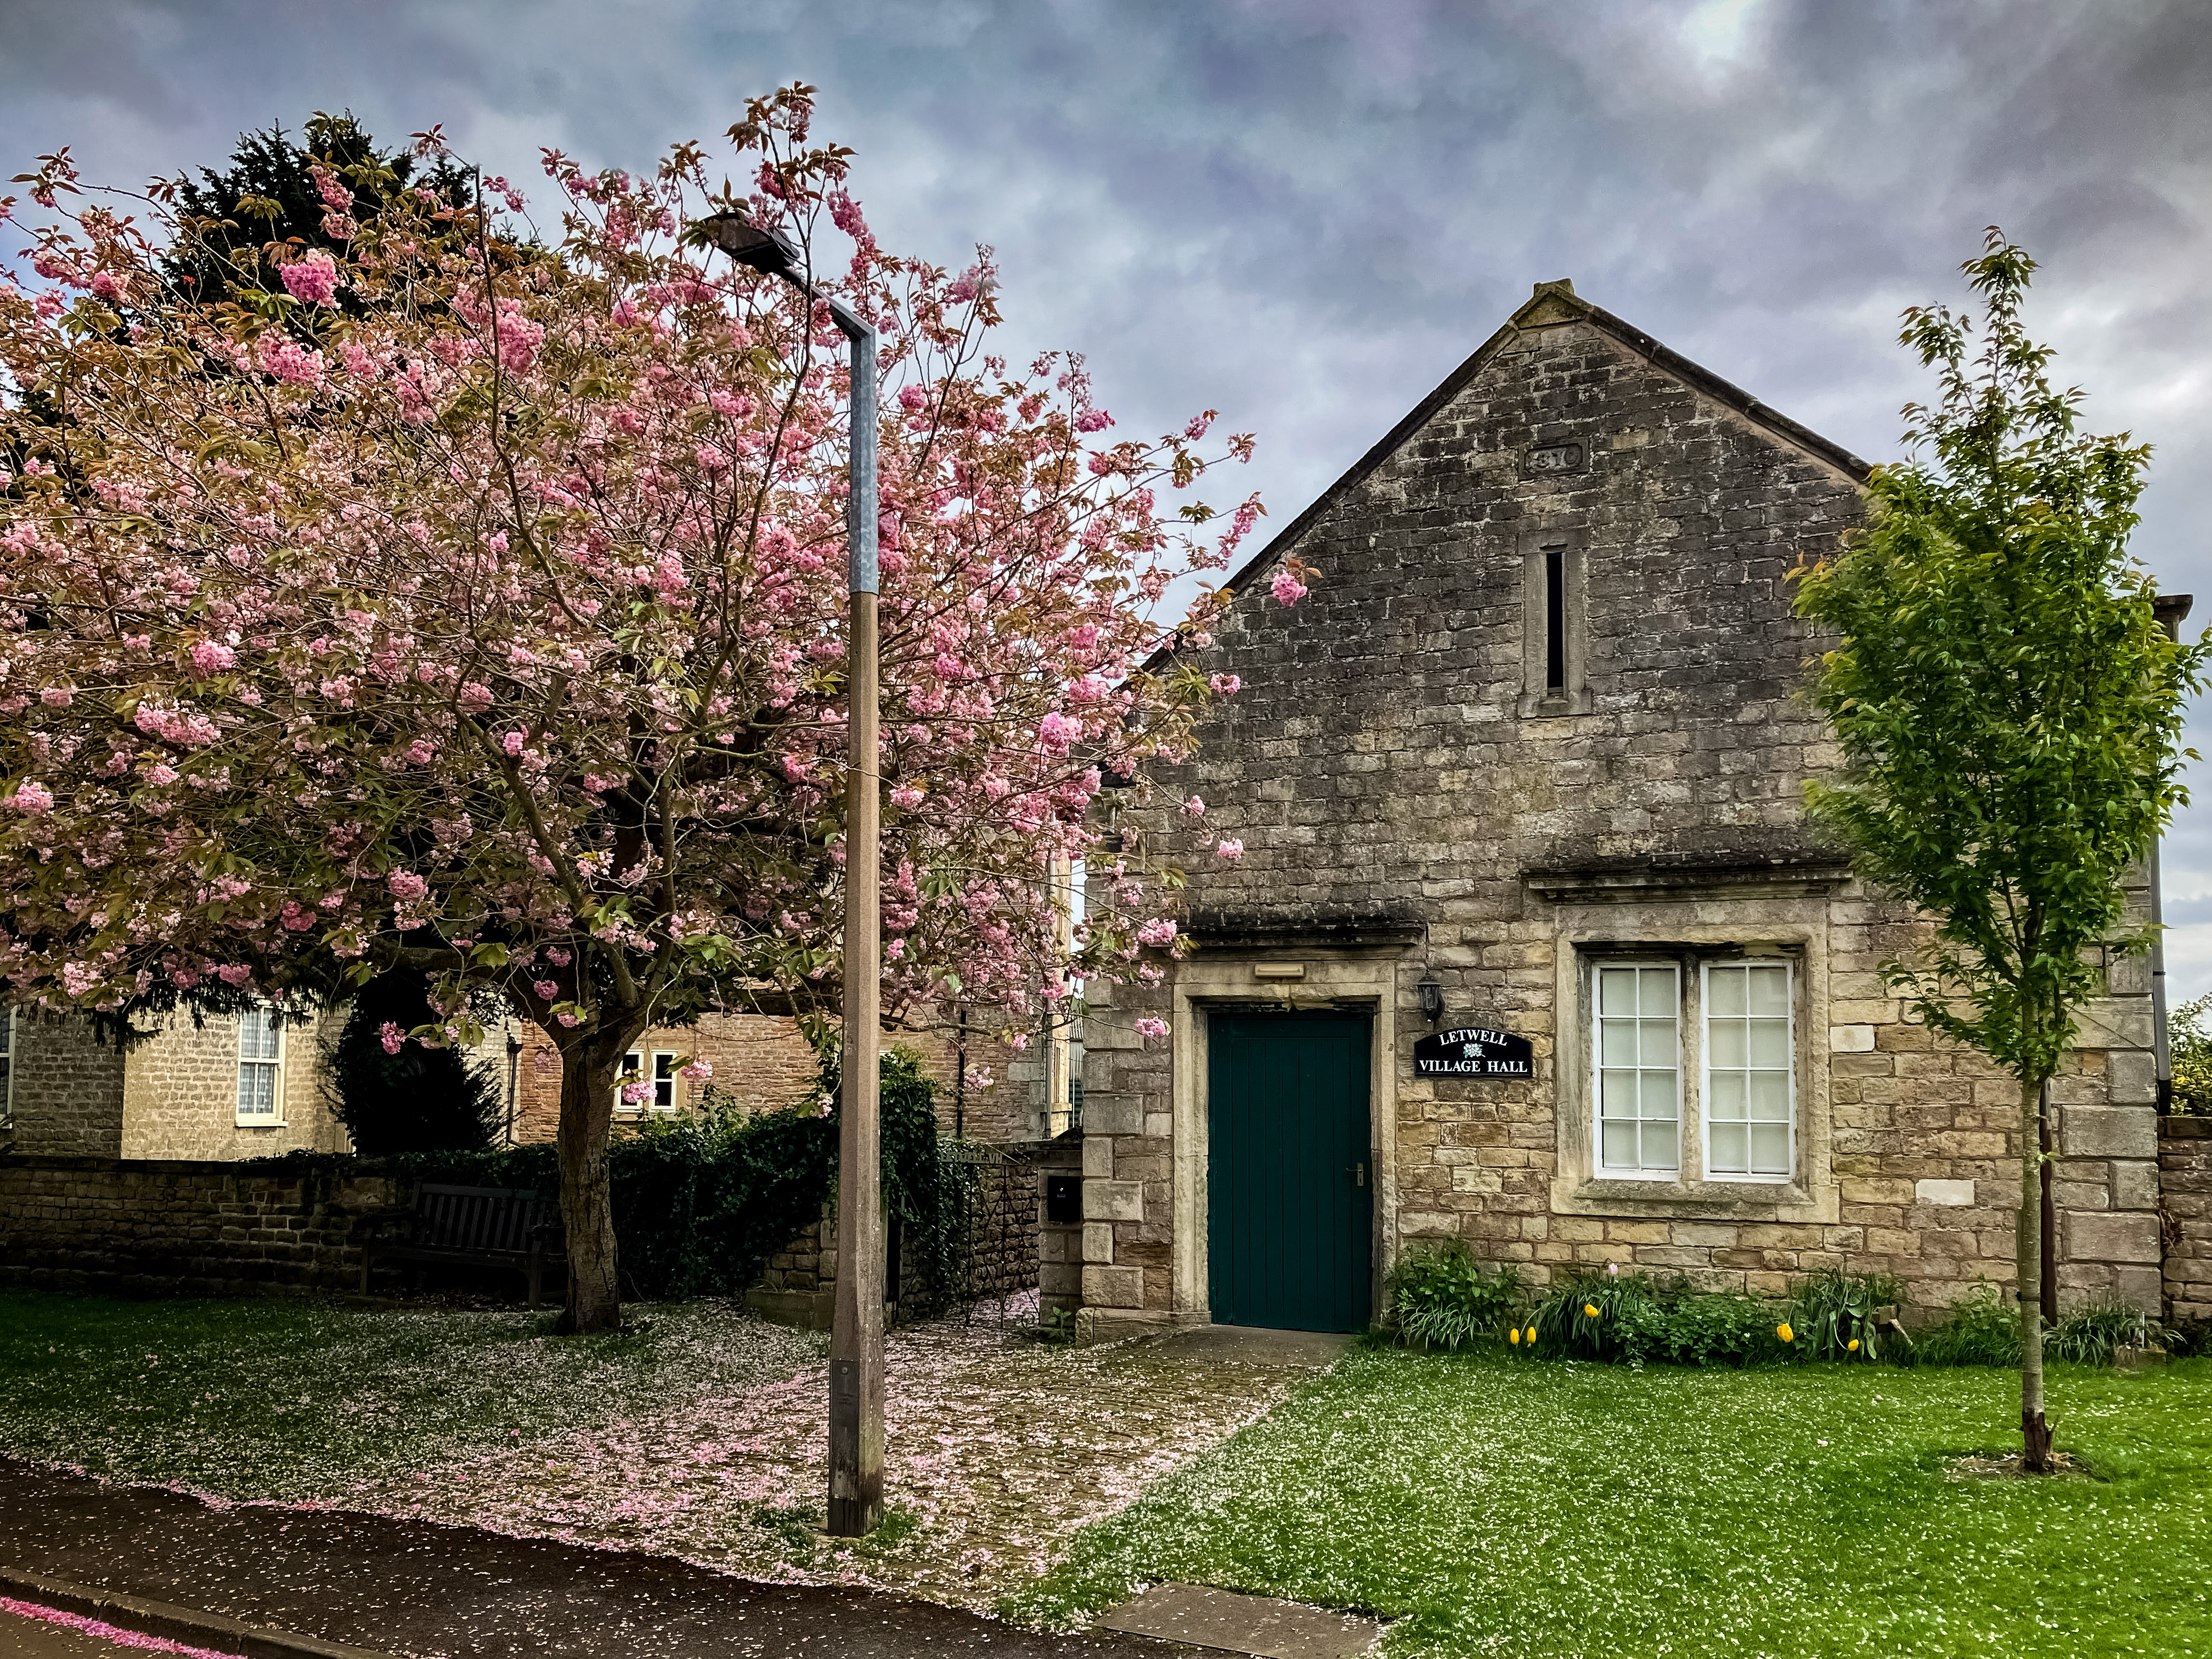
[1441, 1296]
[1593, 1316]
[1979, 1330]
[1831, 1313]
[2191, 1044]
[1682, 1326]
[2094, 1335]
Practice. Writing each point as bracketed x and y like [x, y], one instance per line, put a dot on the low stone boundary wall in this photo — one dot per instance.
[800, 1285]
[2184, 1206]
[160, 1228]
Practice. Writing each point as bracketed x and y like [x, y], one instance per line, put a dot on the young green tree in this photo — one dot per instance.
[2009, 710]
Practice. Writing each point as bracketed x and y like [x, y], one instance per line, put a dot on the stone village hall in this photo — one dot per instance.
[1533, 738]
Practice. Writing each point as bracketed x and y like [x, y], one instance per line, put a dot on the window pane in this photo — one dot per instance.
[1620, 1146]
[1658, 1094]
[633, 1065]
[1770, 1043]
[7, 1034]
[1659, 1144]
[1658, 1041]
[1724, 1096]
[663, 1080]
[1617, 991]
[1769, 1096]
[1618, 1095]
[1728, 1144]
[1724, 1038]
[1769, 1149]
[1769, 990]
[1658, 990]
[1619, 1043]
[1725, 987]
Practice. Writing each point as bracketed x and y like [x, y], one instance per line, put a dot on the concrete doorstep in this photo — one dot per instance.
[1203, 1617]
[164, 1619]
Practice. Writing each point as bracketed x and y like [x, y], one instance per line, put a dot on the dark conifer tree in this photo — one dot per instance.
[415, 1100]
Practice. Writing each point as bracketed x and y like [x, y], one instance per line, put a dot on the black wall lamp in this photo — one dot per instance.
[1432, 997]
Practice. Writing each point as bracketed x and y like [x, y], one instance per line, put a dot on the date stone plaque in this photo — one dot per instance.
[1473, 1051]
[1556, 458]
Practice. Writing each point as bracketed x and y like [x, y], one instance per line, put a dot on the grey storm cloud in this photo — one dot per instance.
[1305, 212]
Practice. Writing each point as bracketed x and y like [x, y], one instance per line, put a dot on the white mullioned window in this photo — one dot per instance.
[8, 1065]
[260, 1067]
[1638, 1050]
[663, 1098]
[633, 1071]
[1750, 1082]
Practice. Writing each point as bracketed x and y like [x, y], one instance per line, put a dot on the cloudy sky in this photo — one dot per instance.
[1305, 212]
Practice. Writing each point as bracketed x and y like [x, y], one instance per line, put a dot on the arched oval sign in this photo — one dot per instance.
[1473, 1051]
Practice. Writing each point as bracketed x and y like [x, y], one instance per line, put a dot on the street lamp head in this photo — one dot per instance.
[749, 243]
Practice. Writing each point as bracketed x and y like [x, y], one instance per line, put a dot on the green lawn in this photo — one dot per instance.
[1547, 1508]
[292, 1400]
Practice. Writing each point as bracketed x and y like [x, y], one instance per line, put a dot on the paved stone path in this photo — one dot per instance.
[999, 1448]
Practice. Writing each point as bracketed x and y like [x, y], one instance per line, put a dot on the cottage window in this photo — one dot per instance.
[8, 1065]
[1748, 1075]
[633, 1071]
[664, 1082]
[1637, 1041]
[260, 1067]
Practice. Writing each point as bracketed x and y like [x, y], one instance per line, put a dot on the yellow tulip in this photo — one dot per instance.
[1785, 1333]
[1514, 1336]
[1851, 1346]
[1532, 1336]
[1590, 1307]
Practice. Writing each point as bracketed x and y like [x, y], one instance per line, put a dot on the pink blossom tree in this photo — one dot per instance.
[488, 623]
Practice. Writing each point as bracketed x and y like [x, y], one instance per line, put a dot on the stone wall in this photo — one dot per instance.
[65, 1090]
[2185, 1157]
[1415, 799]
[799, 1286]
[170, 1228]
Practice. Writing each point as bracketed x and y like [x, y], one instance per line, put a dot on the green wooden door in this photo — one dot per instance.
[1288, 1204]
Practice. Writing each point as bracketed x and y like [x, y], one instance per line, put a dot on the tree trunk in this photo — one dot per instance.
[2027, 1282]
[587, 1109]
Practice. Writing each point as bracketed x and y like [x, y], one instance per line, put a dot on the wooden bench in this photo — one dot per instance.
[478, 1226]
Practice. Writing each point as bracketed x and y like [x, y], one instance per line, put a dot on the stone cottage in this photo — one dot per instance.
[1530, 944]
[226, 1087]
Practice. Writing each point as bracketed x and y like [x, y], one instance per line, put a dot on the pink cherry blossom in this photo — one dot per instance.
[313, 280]
[392, 1038]
[1151, 1027]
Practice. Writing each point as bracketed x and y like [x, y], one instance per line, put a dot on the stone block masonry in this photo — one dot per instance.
[2185, 1161]
[163, 1228]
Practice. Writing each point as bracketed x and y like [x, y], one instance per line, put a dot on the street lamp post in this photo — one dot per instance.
[856, 1340]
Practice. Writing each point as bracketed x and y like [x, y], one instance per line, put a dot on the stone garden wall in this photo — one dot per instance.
[800, 1285]
[2184, 1159]
[158, 1228]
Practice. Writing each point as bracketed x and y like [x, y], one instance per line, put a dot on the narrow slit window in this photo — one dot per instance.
[1638, 1070]
[1555, 620]
[664, 1082]
[1748, 1075]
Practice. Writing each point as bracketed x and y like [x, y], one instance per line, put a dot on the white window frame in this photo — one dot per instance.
[1705, 1072]
[1670, 1174]
[8, 1061]
[274, 1118]
[631, 1070]
[663, 1072]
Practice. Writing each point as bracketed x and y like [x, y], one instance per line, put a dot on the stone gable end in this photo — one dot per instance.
[1438, 771]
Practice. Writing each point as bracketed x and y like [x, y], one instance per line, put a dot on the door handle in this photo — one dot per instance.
[1359, 1174]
